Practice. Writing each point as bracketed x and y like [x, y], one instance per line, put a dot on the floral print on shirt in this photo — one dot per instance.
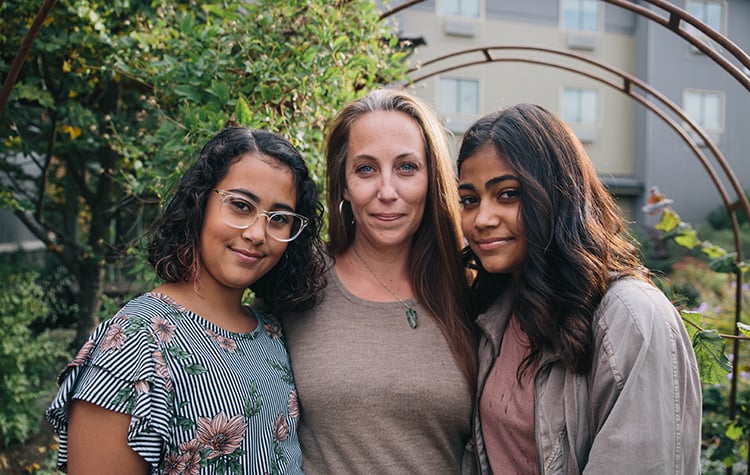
[153, 359]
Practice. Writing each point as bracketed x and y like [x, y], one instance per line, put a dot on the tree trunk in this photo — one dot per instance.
[92, 273]
[91, 282]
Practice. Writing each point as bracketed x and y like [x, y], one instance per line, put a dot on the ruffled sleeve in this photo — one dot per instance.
[120, 368]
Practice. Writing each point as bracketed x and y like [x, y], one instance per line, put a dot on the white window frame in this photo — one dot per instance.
[456, 109]
[701, 95]
[575, 6]
[460, 12]
[692, 5]
[578, 118]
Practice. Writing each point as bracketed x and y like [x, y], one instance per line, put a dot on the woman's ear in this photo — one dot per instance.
[346, 194]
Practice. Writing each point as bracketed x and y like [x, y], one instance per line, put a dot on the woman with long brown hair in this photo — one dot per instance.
[385, 364]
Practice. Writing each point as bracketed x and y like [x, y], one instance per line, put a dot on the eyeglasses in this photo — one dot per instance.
[239, 212]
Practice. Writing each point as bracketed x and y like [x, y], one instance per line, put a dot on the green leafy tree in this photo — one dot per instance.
[115, 98]
[59, 171]
[26, 357]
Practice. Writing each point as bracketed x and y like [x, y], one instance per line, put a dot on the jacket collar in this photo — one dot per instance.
[493, 322]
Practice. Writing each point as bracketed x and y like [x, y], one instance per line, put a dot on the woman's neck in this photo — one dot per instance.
[222, 307]
[375, 274]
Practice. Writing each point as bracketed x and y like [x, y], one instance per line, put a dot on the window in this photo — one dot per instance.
[709, 12]
[580, 106]
[459, 96]
[582, 15]
[705, 108]
[468, 8]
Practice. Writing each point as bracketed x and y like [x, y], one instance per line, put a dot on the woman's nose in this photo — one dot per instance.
[387, 189]
[256, 232]
[486, 217]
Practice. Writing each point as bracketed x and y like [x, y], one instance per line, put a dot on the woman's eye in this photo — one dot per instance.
[364, 169]
[508, 194]
[241, 206]
[279, 219]
[468, 201]
[408, 167]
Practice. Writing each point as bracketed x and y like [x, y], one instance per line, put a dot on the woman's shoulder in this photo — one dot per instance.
[137, 322]
[151, 304]
[150, 308]
[635, 306]
[635, 295]
[264, 316]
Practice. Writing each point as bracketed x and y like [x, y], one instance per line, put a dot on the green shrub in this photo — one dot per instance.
[725, 442]
[28, 360]
[724, 237]
[719, 217]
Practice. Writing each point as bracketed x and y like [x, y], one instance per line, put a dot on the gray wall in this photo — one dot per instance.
[669, 64]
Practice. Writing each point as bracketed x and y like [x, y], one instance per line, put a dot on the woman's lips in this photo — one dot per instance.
[490, 244]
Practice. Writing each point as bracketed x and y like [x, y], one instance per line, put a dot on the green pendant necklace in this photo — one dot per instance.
[411, 314]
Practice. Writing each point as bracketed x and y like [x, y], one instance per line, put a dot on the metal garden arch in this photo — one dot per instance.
[675, 20]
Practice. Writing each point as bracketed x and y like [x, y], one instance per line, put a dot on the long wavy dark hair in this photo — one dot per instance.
[294, 282]
[438, 275]
[577, 238]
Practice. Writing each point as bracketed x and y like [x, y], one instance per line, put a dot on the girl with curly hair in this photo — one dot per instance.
[186, 378]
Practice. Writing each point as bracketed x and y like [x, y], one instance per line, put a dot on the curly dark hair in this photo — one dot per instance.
[295, 281]
[577, 239]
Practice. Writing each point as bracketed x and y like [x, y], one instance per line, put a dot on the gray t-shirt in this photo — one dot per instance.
[376, 396]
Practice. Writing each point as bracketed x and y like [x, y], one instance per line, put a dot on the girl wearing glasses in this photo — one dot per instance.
[186, 378]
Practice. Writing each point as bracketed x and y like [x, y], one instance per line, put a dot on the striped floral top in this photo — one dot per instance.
[203, 400]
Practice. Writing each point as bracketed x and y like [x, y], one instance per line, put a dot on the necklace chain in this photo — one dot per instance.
[411, 314]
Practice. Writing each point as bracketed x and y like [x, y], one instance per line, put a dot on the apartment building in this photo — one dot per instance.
[570, 56]
[536, 45]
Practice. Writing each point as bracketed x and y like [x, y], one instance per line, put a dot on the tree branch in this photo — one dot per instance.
[398, 8]
[23, 52]
[723, 335]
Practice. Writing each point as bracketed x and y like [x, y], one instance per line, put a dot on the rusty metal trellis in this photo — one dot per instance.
[675, 20]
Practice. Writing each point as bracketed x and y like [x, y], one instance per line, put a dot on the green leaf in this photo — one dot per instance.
[188, 23]
[194, 369]
[125, 394]
[669, 221]
[712, 250]
[190, 92]
[734, 431]
[184, 423]
[696, 318]
[177, 352]
[744, 329]
[242, 112]
[724, 264]
[710, 353]
[219, 90]
[687, 238]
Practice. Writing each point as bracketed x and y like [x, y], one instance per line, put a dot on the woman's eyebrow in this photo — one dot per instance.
[490, 183]
[494, 181]
[256, 199]
[243, 191]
